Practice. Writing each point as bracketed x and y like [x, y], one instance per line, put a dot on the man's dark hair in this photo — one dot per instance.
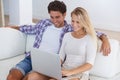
[57, 6]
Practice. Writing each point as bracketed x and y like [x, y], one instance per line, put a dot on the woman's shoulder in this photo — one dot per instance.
[67, 35]
[88, 37]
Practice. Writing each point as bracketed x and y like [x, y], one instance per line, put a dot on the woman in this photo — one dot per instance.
[79, 47]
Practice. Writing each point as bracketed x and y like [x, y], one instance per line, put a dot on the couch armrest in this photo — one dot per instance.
[12, 43]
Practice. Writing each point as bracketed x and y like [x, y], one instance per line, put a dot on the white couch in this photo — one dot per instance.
[13, 44]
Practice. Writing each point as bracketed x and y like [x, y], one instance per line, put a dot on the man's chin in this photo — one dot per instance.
[57, 26]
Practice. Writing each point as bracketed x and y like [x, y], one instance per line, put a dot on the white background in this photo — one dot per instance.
[105, 14]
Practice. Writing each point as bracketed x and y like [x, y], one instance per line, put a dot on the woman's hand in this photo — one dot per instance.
[66, 72]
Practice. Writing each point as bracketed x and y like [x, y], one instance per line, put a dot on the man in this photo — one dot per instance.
[49, 34]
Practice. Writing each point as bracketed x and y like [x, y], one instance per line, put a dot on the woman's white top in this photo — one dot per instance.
[77, 51]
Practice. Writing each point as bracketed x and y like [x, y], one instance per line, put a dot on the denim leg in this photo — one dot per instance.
[25, 65]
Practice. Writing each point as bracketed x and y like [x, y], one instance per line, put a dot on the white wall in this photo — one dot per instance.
[40, 9]
[6, 6]
[103, 13]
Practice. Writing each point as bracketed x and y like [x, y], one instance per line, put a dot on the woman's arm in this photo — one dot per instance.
[77, 70]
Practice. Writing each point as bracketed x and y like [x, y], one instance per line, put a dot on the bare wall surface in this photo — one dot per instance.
[103, 13]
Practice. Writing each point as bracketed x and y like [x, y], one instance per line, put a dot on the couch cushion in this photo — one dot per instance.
[107, 66]
[12, 43]
[30, 42]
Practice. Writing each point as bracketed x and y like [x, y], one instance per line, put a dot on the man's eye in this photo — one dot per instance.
[57, 17]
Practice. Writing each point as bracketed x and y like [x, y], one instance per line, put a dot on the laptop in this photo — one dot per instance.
[46, 63]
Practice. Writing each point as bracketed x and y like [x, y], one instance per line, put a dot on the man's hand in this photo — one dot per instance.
[105, 47]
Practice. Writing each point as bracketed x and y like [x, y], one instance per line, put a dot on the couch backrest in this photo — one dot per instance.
[12, 43]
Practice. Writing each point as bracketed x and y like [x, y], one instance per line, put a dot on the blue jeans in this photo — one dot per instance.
[25, 65]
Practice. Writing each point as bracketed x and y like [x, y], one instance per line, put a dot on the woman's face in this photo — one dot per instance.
[75, 21]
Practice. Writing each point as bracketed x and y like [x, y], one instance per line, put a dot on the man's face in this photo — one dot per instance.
[57, 18]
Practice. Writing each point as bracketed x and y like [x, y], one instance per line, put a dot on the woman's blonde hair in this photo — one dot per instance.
[85, 22]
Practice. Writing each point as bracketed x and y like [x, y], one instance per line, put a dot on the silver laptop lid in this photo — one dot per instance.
[46, 63]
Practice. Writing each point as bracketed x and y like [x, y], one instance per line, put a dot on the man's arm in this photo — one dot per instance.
[105, 47]
[14, 27]
[27, 29]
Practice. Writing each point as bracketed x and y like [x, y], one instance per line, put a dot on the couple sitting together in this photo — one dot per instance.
[77, 41]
